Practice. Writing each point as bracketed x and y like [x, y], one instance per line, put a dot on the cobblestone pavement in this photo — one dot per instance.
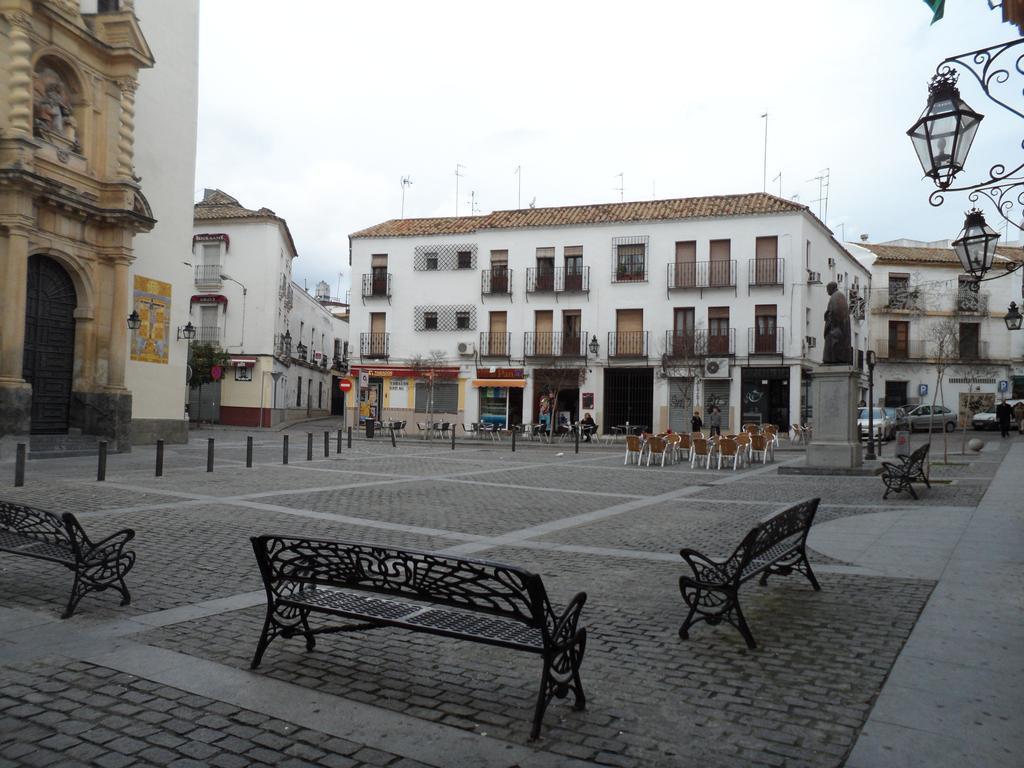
[165, 680]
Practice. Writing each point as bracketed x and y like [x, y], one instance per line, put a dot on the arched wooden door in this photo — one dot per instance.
[49, 343]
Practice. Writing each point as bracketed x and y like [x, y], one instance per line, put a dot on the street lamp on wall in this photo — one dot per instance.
[1013, 317]
[188, 332]
[943, 135]
[594, 346]
[134, 321]
[300, 350]
[976, 246]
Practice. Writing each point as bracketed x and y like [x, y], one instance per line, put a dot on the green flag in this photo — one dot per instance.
[938, 7]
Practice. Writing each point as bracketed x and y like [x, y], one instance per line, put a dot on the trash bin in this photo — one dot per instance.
[902, 443]
[369, 428]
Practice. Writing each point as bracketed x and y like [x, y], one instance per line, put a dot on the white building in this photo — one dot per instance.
[282, 342]
[924, 316]
[714, 301]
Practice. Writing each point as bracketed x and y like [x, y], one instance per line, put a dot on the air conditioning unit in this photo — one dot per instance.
[813, 277]
[716, 368]
[467, 348]
[812, 342]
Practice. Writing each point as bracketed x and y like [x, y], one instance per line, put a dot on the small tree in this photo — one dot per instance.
[204, 358]
[557, 375]
[683, 356]
[945, 339]
[428, 370]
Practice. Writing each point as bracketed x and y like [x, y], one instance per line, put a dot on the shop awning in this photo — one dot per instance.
[510, 383]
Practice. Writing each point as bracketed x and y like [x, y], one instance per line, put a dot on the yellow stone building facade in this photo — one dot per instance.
[70, 206]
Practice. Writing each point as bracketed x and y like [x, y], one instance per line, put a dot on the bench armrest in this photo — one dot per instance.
[110, 548]
[707, 570]
[563, 629]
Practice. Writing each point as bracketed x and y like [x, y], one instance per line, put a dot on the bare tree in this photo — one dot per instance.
[428, 370]
[944, 335]
[973, 401]
[683, 355]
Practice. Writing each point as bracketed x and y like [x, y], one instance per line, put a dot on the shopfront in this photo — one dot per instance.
[386, 393]
[765, 396]
[500, 392]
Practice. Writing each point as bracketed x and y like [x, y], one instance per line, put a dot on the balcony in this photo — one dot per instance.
[540, 279]
[572, 280]
[208, 274]
[627, 344]
[970, 302]
[897, 299]
[702, 274]
[766, 342]
[972, 350]
[495, 344]
[964, 350]
[683, 345]
[496, 281]
[545, 344]
[766, 272]
[374, 346]
[377, 285]
[208, 334]
[902, 350]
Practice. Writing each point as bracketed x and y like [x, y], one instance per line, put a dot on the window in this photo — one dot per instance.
[298, 393]
[545, 275]
[899, 336]
[766, 261]
[446, 397]
[718, 330]
[573, 259]
[461, 320]
[970, 346]
[764, 329]
[465, 260]
[720, 268]
[431, 259]
[899, 291]
[320, 396]
[686, 264]
[630, 262]
[430, 321]
[682, 332]
[243, 373]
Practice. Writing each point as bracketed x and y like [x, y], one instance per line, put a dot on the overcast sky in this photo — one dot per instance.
[317, 109]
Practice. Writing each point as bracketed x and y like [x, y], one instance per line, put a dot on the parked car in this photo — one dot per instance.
[899, 418]
[987, 419]
[924, 415]
[883, 424]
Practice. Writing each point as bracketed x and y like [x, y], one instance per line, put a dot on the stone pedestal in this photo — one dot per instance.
[835, 444]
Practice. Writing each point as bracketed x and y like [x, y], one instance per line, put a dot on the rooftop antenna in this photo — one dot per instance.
[458, 175]
[823, 182]
[340, 275]
[519, 194]
[764, 176]
[654, 192]
[406, 182]
[622, 186]
[533, 203]
[473, 210]
[779, 179]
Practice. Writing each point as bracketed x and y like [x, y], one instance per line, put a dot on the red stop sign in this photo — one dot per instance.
[344, 385]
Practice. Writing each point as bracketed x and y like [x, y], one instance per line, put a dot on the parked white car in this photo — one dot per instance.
[885, 427]
[987, 419]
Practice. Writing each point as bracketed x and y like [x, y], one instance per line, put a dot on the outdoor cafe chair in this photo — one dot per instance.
[700, 451]
[472, 429]
[674, 440]
[421, 426]
[728, 449]
[795, 434]
[656, 446]
[633, 450]
[684, 445]
[759, 447]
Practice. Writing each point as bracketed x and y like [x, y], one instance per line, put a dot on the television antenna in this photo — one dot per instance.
[823, 183]
[406, 182]
[779, 179]
[458, 175]
[519, 194]
[622, 186]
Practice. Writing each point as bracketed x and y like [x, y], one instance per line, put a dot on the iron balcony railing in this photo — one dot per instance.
[766, 271]
[374, 346]
[630, 271]
[917, 349]
[972, 350]
[572, 279]
[702, 274]
[766, 341]
[207, 334]
[545, 344]
[496, 281]
[208, 273]
[495, 344]
[377, 284]
[627, 343]
[540, 279]
[689, 344]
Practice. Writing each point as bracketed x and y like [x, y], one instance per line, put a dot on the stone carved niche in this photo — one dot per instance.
[53, 106]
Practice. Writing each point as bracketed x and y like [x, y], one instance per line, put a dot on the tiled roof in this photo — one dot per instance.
[648, 210]
[218, 205]
[895, 254]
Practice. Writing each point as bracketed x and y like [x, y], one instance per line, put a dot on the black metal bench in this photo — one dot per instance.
[36, 533]
[483, 602]
[776, 545]
[898, 477]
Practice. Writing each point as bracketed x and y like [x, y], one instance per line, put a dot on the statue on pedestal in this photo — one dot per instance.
[838, 350]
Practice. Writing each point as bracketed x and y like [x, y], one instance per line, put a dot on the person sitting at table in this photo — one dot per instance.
[587, 427]
[695, 423]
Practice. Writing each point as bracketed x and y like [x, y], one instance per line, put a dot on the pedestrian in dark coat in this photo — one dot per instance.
[695, 423]
[1003, 414]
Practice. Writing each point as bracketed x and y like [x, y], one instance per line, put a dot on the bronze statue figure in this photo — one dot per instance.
[838, 350]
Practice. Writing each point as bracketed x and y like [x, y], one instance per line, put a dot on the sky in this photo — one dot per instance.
[318, 108]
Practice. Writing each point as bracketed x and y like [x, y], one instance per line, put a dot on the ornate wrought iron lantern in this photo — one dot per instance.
[301, 351]
[943, 135]
[188, 332]
[594, 346]
[1013, 317]
[976, 246]
[286, 344]
[134, 321]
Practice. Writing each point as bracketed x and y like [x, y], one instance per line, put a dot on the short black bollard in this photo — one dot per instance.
[514, 440]
[159, 458]
[209, 454]
[19, 466]
[309, 446]
[284, 456]
[350, 437]
[453, 438]
[101, 468]
[338, 449]
[577, 433]
[248, 452]
[327, 444]
[393, 444]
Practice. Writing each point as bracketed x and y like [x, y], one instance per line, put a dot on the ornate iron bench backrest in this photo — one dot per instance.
[62, 530]
[791, 523]
[915, 464]
[476, 584]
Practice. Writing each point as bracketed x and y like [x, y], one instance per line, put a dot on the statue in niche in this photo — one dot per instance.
[838, 350]
[51, 109]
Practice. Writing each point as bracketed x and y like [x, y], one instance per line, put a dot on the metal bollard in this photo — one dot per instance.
[284, 457]
[248, 452]
[393, 444]
[19, 466]
[327, 444]
[338, 449]
[209, 454]
[309, 446]
[514, 440]
[350, 437]
[101, 469]
[577, 432]
[159, 458]
[453, 439]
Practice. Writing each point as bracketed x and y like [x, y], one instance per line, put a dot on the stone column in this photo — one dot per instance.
[20, 98]
[118, 326]
[12, 305]
[834, 443]
[126, 129]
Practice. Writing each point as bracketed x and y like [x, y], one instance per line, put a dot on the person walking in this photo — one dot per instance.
[1003, 415]
[715, 419]
[1018, 416]
[696, 425]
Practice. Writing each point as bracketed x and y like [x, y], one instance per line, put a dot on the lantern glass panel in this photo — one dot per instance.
[943, 135]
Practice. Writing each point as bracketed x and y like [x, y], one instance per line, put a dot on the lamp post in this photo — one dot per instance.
[245, 292]
[870, 456]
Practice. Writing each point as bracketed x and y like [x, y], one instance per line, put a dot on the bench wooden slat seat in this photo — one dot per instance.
[898, 477]
[776, 545]
[36, 533]
[475, 600]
